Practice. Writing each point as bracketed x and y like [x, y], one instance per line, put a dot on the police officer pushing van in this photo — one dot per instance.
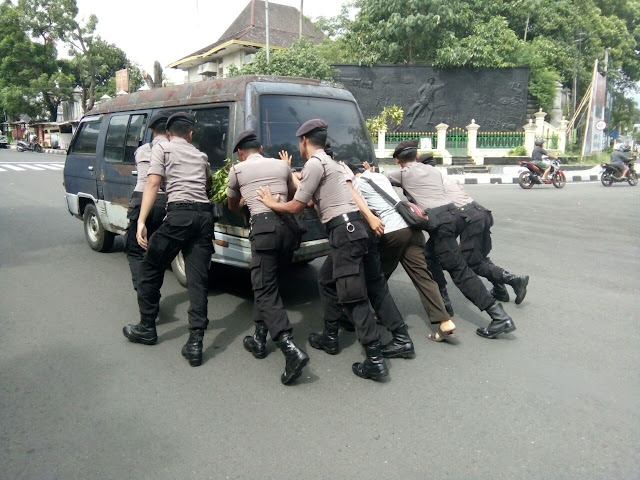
[188, 226]
[274, 237]
[424, 184]
[342, 275]
[158, 126]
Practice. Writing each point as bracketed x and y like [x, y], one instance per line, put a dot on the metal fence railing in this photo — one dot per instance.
[500, 139]
[457, 141]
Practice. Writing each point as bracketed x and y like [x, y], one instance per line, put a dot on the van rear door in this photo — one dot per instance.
[125, 133]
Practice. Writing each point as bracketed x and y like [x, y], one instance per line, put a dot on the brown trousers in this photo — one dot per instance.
[407, 247]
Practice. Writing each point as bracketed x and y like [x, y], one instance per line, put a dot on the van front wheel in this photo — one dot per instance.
[98, 238]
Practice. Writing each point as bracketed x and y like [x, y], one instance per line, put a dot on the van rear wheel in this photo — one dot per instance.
[178, 268]
[97, 236]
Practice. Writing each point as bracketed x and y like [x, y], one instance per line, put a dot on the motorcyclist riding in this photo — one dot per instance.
[619, 159]
[539, 158]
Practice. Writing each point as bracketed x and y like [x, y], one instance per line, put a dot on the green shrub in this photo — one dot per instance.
[219, 180]
[518, 151]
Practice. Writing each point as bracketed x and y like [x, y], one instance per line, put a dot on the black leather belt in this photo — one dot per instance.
[265, 216]
[440, 209]
[469, 205]
[199, 207]
[340, 219]
[139, 194]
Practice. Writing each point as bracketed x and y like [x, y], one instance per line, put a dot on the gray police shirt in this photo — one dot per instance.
[323, 182]
[245, 178]
[454, 192]
[143, 160]
[422, 182]
[185, 170]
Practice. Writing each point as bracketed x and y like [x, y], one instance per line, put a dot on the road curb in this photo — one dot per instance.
[51, 151]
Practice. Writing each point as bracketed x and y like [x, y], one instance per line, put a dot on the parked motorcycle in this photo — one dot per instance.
[611, 174]
[29, 146]
[533, 175]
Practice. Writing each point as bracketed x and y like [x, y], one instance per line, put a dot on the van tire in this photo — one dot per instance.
[98, 238]
[177, 266]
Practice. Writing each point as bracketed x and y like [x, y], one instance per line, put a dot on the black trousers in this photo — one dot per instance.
[272, 245]
[443, 252]
[134, 251]
[342, 281]
[192, 232]
[475, 243]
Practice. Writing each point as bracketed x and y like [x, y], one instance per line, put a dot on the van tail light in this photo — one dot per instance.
[222, 243]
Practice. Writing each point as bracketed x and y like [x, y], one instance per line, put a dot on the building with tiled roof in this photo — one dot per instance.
[245, 36]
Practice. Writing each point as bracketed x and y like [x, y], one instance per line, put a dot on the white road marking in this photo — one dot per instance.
[26, 165]
[50, 167]
[2, 170]
[13, 167]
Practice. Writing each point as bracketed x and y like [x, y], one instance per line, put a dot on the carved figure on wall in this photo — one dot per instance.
[425, 105]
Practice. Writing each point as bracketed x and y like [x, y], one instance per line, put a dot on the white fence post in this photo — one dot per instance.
[530, 136]
[472, 142]
[540, 122]
[382, 140]
[442, 143]
[562, 135]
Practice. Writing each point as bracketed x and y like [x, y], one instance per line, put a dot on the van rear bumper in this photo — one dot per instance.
[236, 251]
[73, 204]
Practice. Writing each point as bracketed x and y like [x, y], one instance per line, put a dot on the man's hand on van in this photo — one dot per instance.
[285, 156]
[141, 235]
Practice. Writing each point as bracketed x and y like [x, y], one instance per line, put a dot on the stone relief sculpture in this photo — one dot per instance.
[425, 105]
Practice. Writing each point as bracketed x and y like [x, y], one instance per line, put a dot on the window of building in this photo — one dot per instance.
[87, 138]
[135, 136]
[211, 134]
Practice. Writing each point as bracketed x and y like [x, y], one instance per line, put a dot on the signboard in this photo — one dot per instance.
[595, 140]
[601, 125]
[122, 80]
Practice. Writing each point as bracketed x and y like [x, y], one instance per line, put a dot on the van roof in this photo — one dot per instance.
[207, 91]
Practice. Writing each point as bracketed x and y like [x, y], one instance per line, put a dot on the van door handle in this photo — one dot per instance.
[134, 172]
[90, 168]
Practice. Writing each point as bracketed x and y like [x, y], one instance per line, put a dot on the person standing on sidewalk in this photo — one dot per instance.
[158, 126]
[424, 184]
[274, 237]
[402, 244]
[341, 278]
[188, 226]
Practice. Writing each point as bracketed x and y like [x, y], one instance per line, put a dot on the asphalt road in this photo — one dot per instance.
[557, 399]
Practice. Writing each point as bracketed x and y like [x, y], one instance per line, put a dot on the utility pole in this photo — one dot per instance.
[301, 7]
[266, 7]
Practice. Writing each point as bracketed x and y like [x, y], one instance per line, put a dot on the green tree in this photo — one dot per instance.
[302, 59]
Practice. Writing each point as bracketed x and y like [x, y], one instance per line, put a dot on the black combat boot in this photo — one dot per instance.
[295, 358]
[327, 340]
[192, 350]
[374, 366]
[144, 332]
[447, 301]
[499, 292]
[518, 283]
[257, 343]
[500, 322]
[400, 346]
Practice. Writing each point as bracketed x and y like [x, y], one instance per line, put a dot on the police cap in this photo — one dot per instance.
[310, 126]
[181, 117]
[405, 146]
[157, 118]
[243, 137]
[427, 159]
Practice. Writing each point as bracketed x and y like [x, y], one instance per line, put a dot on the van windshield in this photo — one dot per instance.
[282, 115]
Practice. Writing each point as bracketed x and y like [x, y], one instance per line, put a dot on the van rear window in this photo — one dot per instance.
[87, 138]
[282, 115]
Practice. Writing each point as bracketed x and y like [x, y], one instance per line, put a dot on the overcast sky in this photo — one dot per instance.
[167, 30]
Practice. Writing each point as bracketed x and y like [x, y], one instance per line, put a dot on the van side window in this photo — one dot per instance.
[134, 136]
[211, 134]
[114, 144]
[87, 138]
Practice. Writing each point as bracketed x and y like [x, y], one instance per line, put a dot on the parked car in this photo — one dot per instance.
[99, 173]
[4, 142]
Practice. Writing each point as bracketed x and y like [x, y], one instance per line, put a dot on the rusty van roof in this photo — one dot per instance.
[207, 91]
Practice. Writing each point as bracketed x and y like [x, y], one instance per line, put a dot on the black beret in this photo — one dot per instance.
[311, 125]
[181, 117]
[427, 159]
[246, 136]
[159, 117]
[405, 146]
